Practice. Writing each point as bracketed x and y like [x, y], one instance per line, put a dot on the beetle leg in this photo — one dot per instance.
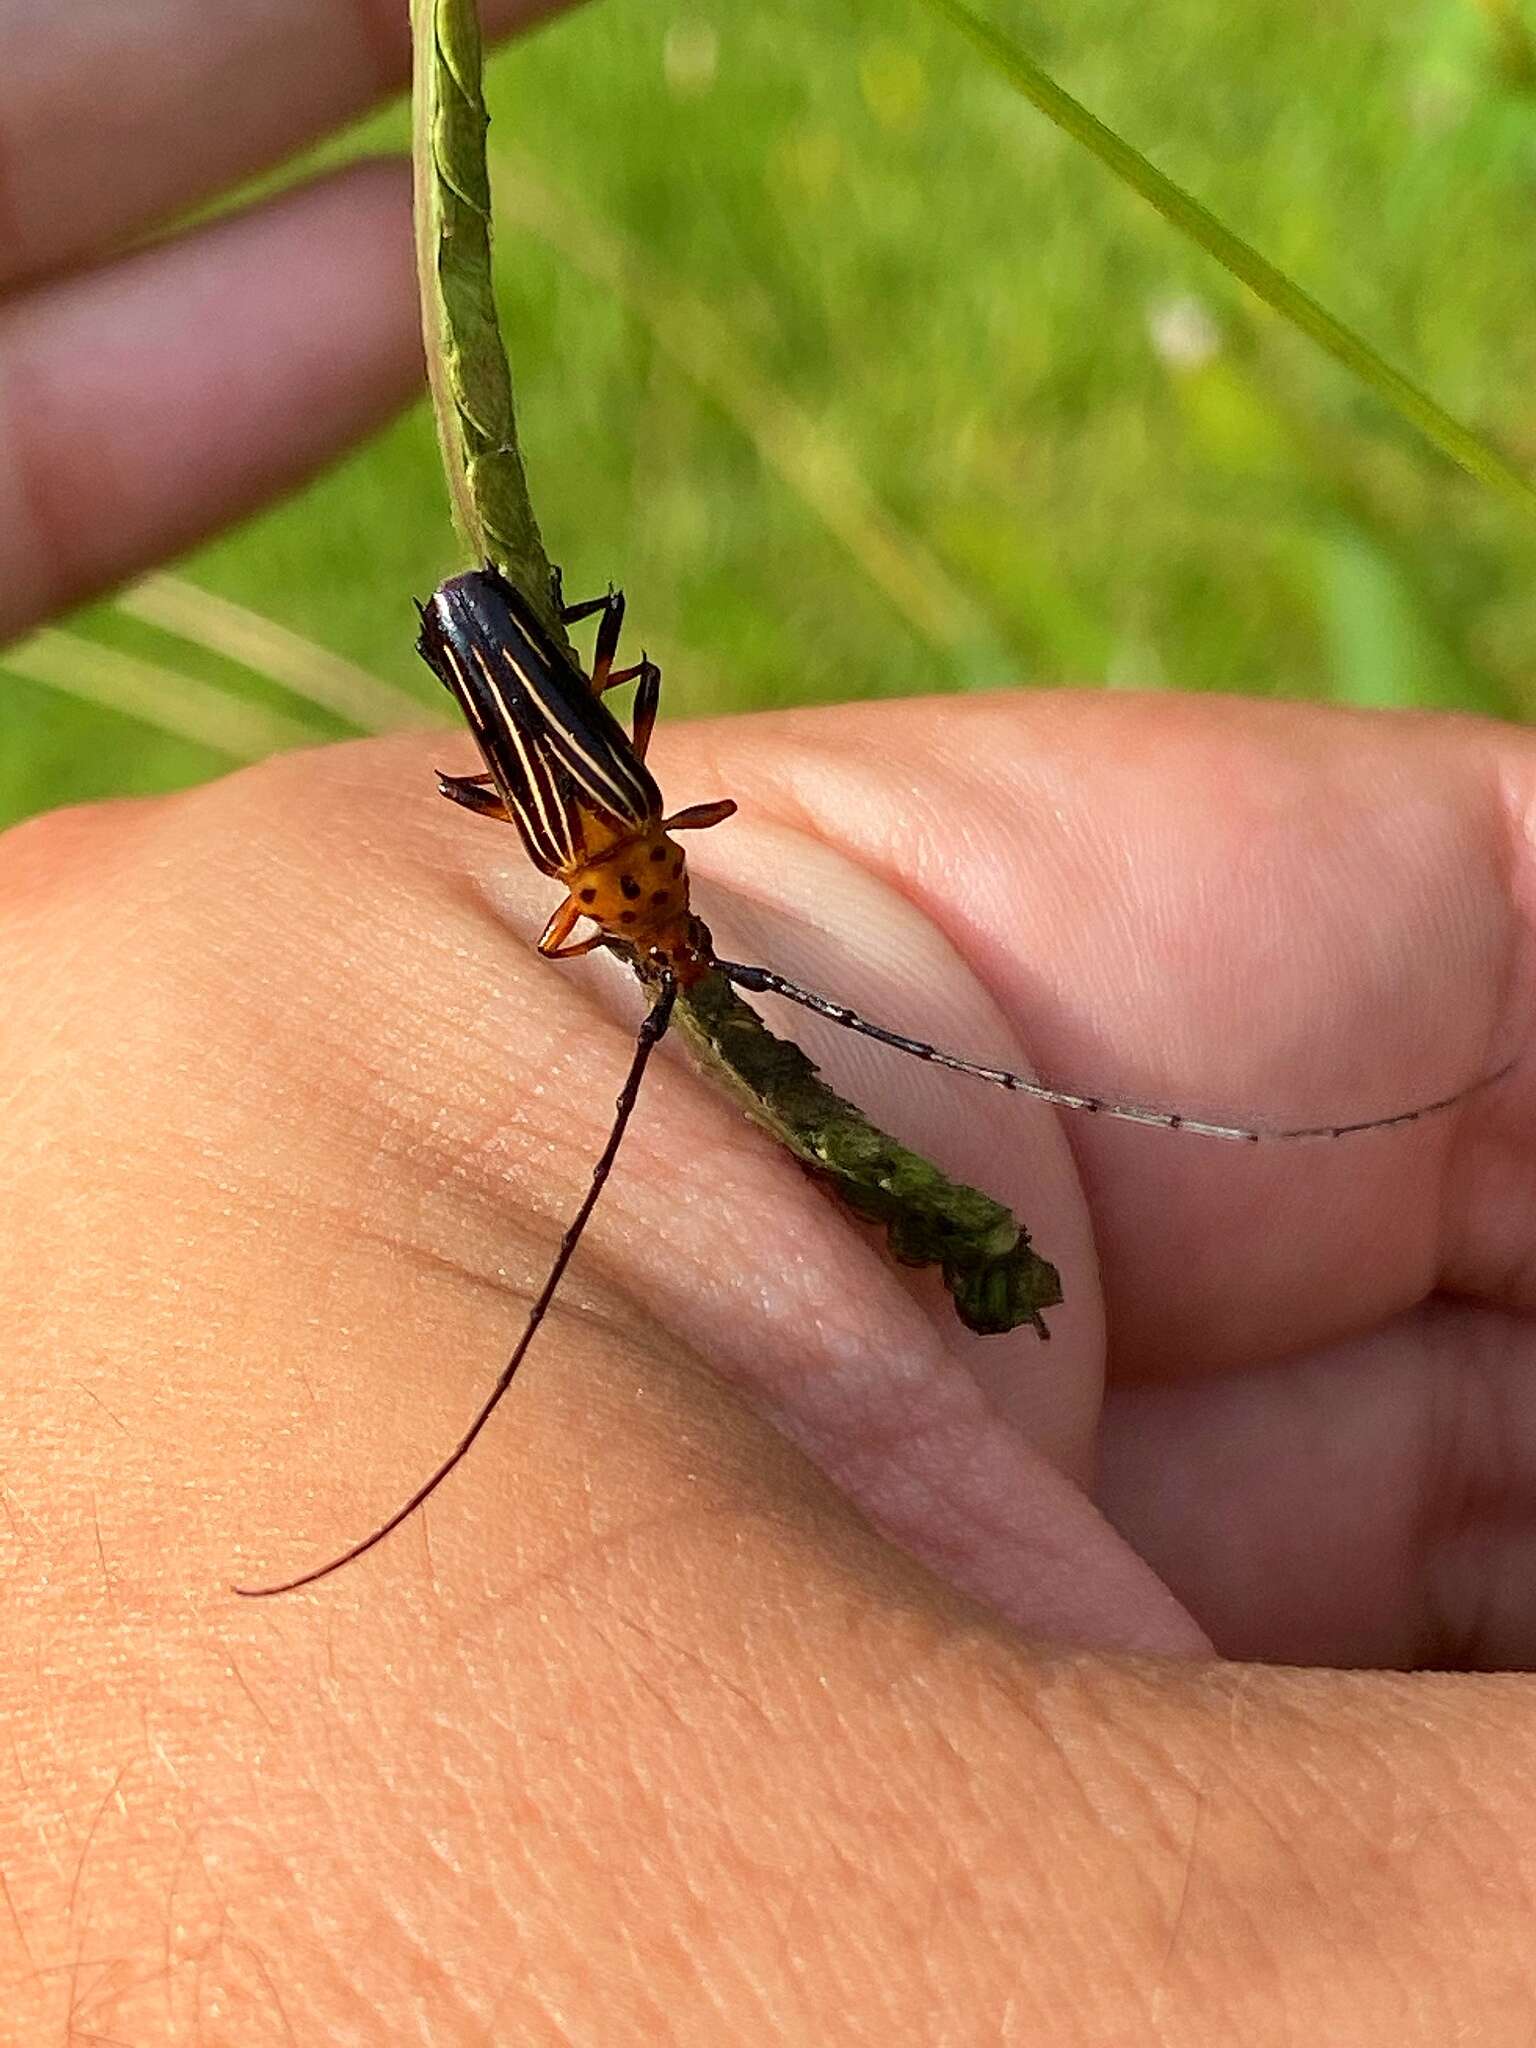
[699, 817]
[607, 643]
[552, 940]
[587, 607]
[611, 606]
[472, 792]
[647, 697]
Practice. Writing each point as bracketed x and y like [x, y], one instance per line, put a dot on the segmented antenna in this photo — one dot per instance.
[763, 981]
[651, 1033]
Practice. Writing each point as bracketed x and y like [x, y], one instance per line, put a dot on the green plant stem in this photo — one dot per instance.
[996, 1280]
[994, 1276]
[467, 365]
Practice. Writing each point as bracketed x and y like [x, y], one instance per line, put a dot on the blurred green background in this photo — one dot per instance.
[864, 381]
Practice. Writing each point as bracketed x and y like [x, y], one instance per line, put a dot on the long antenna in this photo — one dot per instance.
[651, 1033]
[763, 981]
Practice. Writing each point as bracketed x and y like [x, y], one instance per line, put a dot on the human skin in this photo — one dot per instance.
[643, 1731]
[640, 1732]
[147, 398]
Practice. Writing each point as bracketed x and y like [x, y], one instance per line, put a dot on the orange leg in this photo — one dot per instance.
[647, 697]
[552, 941]
[699, 817]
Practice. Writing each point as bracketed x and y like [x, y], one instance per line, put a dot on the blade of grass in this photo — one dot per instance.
[1279, 292]
[161, 697]
[274, 651]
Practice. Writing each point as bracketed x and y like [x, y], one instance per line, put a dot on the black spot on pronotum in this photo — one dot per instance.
[658, 853]
[630, 886]
[589, 895]
[660, 896]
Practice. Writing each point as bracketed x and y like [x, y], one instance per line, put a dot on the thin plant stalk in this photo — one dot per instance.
[162, 697]
[1279, 292]
[295, 663]
[995, 1278]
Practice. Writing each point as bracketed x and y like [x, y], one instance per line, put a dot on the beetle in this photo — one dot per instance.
[562, 770]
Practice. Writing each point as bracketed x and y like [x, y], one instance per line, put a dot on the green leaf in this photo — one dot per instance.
[1278, 291]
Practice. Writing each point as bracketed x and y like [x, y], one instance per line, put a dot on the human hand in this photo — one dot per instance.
[293, 1120]
[147, 398]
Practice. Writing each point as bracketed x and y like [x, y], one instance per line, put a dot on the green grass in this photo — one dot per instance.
[865, 381]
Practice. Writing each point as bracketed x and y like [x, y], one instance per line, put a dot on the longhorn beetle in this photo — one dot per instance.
[562, 770]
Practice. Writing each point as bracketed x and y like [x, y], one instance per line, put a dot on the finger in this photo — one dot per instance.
[1257, 910]
[116, 116]
[1371, 1505]
[146, 403]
